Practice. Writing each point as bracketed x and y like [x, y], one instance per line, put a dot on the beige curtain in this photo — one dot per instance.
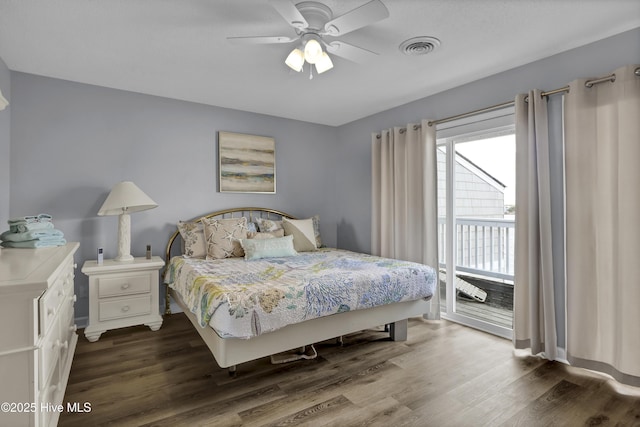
[534, 302]
[602, 169]
[404, 215]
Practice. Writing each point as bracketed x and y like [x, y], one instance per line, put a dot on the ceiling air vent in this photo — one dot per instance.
[419, 45]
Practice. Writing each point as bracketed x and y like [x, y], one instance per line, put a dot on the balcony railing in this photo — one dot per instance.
[484, 246]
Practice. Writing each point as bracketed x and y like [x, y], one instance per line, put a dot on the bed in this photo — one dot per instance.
[258, 305]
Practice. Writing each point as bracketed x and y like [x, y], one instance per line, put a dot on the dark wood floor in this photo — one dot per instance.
[444, 375]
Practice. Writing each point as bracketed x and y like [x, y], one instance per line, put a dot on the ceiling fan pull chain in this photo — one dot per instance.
[310, 73]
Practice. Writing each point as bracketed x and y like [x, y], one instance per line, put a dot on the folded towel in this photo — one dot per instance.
[8, 236]
[23, 228]
[24, 220]
[35, 244]
[29, 219]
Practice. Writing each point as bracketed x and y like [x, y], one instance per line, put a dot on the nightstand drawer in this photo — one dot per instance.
[124, 285]
[124, 307]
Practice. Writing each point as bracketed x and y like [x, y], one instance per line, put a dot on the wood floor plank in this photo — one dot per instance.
[548, 407]
[381, 413]
[444, 375]
[310, 415]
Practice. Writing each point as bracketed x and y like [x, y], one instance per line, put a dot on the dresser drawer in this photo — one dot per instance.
[124, 285]
[67, 324]
[49, 353]
[50, 305]
[124, 307]
[68, 277]
[47, 395]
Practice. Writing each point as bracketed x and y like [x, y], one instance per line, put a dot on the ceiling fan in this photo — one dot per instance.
[314, 23]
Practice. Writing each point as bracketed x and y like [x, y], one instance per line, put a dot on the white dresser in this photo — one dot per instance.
[37, 333]
[123, 294]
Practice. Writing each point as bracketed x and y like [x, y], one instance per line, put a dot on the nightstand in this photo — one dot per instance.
[123, 294]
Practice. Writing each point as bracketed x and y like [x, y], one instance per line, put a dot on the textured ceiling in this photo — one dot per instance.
[178, 48]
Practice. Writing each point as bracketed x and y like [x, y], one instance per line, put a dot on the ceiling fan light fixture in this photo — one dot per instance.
[312, 51]
[312, 21]
[324, 63]
[295, 60]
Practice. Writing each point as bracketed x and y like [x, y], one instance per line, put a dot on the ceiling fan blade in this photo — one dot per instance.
[261, 39]
[290, 13]
[349, 51]
[362, 16]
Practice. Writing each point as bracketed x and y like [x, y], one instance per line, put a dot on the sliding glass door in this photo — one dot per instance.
[476, 197]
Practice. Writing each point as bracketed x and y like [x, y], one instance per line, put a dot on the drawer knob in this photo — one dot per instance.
[124, 286]
[75, 265]
[125, 308]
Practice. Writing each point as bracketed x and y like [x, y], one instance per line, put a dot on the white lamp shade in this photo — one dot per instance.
[312, 51]
[324, 63]
[295, 60]
[126, 197]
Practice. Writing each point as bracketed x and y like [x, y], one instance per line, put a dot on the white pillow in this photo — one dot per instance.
[304, 238]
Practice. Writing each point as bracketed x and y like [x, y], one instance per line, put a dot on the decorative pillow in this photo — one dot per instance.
[304, 238]
[252, 227]
[193, 241]
[222, 237]
[265, 234]
[268, 248]
[268, 224]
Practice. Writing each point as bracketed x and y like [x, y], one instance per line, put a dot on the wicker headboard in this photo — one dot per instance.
[251, 213]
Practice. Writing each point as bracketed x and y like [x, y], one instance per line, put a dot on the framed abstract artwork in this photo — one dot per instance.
[247, 163]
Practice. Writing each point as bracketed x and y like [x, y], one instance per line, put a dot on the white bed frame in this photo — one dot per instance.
[230, 352]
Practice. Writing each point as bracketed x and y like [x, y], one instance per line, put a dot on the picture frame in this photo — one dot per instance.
[246, 163]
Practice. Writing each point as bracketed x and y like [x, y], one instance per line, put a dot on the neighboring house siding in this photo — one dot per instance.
[478, 194]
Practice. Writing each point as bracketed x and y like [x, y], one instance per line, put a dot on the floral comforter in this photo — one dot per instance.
[243, 299]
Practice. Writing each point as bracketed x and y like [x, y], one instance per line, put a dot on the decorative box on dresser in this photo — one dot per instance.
[37, 333]
[123, 293]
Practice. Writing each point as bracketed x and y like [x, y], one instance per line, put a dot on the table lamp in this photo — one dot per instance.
[125, 198]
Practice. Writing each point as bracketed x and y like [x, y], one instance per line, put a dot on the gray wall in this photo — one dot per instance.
[5, 143]
[72, 142]
[353, 170]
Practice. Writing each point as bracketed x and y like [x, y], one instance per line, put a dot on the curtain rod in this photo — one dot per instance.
[588, 83]
[511, 103]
